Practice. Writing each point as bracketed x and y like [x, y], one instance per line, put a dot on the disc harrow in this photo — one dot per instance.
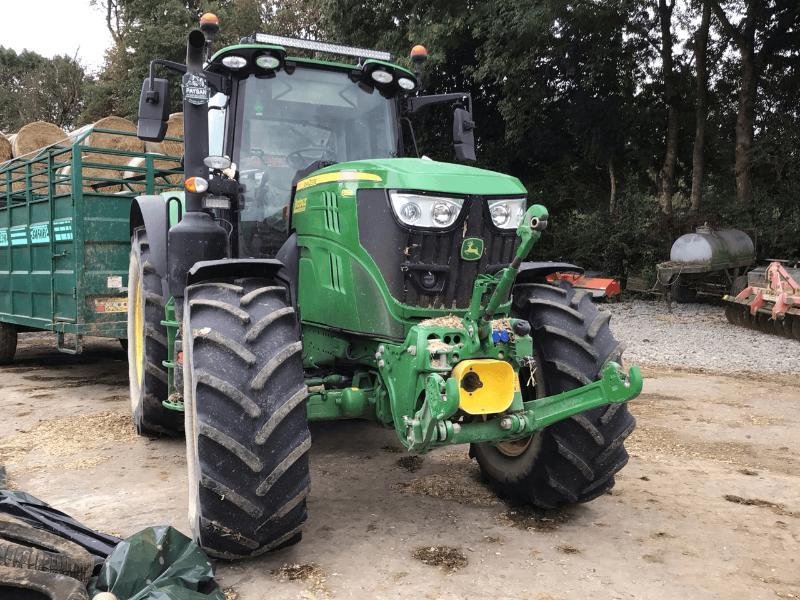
[770, 303]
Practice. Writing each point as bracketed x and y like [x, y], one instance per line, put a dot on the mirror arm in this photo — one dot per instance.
[415, 103]
[216, 81]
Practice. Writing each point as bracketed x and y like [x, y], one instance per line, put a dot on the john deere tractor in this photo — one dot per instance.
[314, 271]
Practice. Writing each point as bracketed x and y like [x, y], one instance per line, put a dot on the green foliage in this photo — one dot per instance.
[34, 88]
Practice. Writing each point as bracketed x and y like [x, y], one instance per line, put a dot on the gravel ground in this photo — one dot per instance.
[698, 337]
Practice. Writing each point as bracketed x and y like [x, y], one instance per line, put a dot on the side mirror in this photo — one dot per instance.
[153, 110]
[463, 134]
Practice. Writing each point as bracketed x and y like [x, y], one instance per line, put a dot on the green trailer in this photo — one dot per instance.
[65, 237]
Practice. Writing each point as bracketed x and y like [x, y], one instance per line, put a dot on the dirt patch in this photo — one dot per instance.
[392, 449]
[411, 463]
[459, 484]
[778, 509]
[655, 443]
[531, 519]
[310, 574]
[444, 557]
[68, 435]
[568, 549]
[71, 381]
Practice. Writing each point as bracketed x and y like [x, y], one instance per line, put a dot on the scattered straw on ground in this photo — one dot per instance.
[531, 519]
[311, 574]
[446, 321]
[458, 485]
[778, 509]
[568, 549]
[445, 557]
[65, 436]
[410, 463]
[230, 594]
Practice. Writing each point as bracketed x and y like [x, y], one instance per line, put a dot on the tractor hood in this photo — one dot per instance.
[423, 174]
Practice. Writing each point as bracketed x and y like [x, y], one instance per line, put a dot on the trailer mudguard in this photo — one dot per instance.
[151, 212]
[533, 271]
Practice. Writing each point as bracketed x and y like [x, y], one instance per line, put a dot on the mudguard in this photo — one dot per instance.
[533, 271]
[151, 212]
[214, 270]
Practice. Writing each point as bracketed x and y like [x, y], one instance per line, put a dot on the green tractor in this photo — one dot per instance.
[312, 272]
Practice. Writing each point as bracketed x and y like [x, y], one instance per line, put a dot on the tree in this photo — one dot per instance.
[34, 88]
[666, 178]
[701, 106]
[767, 29]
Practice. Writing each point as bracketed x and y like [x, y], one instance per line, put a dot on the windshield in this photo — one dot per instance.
[289, 123]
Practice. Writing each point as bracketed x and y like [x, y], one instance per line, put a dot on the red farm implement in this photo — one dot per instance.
[770, 302]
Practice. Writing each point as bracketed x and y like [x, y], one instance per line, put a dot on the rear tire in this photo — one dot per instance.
[247, 437]
[147, 345]
[8, 343]
[574, 460]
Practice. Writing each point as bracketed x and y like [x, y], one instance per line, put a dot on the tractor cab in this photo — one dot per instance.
[285, 117]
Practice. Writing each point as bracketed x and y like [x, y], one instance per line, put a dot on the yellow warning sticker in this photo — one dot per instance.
[299, 205]
[111, 305]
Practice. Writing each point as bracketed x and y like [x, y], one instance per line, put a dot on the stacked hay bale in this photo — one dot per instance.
[115, 162]
[5, 149]
[26, 142]
[166, 147]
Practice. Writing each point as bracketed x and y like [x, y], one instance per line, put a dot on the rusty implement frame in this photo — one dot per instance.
[774, 308]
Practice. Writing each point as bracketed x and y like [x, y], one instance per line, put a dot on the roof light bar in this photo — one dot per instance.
[279, 40]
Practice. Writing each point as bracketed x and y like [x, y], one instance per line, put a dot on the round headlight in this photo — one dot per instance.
[411, 212]
[267, 61]
[500, 214]
[233, 61]
[406, 83]
[443, 214]
[382, 76]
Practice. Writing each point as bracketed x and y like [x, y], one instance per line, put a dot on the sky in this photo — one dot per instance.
[52, 27]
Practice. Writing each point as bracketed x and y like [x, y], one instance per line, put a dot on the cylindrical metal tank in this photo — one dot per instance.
[714, 247]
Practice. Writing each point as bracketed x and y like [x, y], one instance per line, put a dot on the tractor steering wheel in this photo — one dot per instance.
[299, 159]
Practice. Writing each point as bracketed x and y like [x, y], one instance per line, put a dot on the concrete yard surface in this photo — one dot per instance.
[708, 506]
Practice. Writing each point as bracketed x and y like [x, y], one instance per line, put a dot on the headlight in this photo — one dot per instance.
[507, 213]
[419, 210]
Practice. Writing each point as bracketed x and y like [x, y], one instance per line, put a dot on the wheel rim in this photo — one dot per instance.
[515, 448]
[138, 333]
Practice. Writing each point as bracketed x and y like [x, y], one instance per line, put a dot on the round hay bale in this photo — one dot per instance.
[139, 161]
[88, 172]
[111, 141]
[36, 135]
[5, 149]
[169, 147]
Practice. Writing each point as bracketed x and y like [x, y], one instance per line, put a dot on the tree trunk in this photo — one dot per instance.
[612, 199]
[666, 180]
[744, 127]
[701, 109]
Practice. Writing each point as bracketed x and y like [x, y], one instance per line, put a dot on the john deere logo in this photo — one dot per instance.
[472, 248]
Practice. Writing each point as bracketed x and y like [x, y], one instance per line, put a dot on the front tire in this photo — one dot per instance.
[574, 460]
[147, 345]
[247, 437]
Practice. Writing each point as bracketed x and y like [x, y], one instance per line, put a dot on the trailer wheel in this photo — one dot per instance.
[147, 345]
[574, 460]
[682, 291]
[8, 343]
[247, 437]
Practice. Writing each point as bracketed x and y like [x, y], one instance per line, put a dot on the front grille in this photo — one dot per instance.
[425, 268]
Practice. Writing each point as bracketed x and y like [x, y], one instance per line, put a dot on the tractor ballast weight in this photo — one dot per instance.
[317, 274]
